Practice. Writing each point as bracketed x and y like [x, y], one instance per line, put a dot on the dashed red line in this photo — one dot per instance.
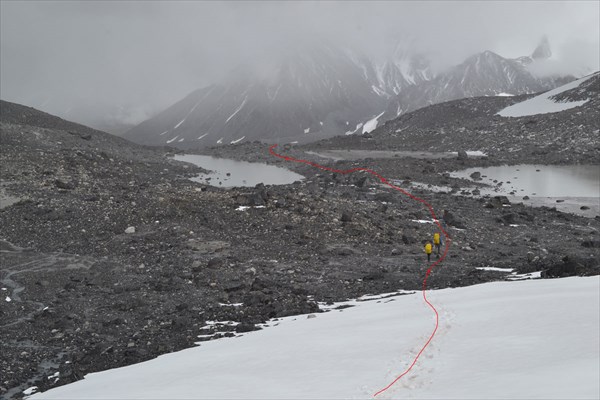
[429, 270]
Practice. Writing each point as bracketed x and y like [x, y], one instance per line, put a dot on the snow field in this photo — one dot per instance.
[543, 104]
[526, 339]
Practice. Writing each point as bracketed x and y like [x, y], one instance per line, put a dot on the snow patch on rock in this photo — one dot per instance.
[544, 103]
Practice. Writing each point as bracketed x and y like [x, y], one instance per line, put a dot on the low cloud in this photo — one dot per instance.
[151, 54]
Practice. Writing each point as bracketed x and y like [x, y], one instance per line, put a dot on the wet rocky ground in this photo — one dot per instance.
[112, 256]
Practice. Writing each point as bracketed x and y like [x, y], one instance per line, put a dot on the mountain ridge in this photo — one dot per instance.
[329, 92]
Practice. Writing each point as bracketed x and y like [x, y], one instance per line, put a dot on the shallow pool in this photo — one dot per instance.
[230, 173]
[567, 187]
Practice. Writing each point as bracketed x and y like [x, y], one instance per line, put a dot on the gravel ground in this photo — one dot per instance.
[113, 256]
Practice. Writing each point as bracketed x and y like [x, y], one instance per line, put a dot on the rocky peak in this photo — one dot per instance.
[542, 51]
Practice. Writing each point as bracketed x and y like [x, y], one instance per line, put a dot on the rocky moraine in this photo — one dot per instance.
[111, 255]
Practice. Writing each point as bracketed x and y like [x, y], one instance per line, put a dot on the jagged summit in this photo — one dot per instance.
[482, 74]
[542, 51]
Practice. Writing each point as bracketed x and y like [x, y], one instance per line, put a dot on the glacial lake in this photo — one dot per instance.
[353, 155]
[241, 173]
[566, 187]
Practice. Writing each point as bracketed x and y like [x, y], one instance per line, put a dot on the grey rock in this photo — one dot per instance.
[476, 175]
[64, 185]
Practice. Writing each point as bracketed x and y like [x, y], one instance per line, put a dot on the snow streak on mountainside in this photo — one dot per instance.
[395, 74]
[322, 91]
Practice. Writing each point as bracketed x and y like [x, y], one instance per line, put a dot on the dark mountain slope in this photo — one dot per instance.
[473, 124]
[309, 96]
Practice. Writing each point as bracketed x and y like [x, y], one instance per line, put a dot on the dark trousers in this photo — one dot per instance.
[428, 256]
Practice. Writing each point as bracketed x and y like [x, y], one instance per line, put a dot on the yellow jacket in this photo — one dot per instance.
[428, 248]
[436, 238]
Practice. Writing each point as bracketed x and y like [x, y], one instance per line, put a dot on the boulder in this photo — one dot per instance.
[498, 202]
[207, 247]
[476, 176]
[509, 218]
[215, 262]
[255, 199]
[361, 182]
[591, 244]
[346, 217]
[408, 239]
[245, 327]
[373, 275]
[569, 266]
[385, 196]
[64, 185]
[451, 220]
[396, 252]
[343, 251]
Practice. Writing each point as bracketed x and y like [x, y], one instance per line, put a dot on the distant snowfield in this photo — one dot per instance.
[508, 340]
[543, 104]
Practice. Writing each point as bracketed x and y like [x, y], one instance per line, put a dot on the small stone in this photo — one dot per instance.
[131, 229]
[396, 252]
[309, 316]
[530, 256]
[215, 262]
[64, 185]
[346, 217]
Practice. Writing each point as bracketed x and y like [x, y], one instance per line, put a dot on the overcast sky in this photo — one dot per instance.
[151, 54]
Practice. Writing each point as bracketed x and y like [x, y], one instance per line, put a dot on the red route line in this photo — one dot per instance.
[447, 241]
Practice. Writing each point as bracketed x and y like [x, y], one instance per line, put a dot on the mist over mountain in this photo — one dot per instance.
[320, 91]
[119, 63]
[314, 93]
[483, 74]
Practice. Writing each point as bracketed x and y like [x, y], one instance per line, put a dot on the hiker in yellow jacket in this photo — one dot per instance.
[428, 250]
[437, 242]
